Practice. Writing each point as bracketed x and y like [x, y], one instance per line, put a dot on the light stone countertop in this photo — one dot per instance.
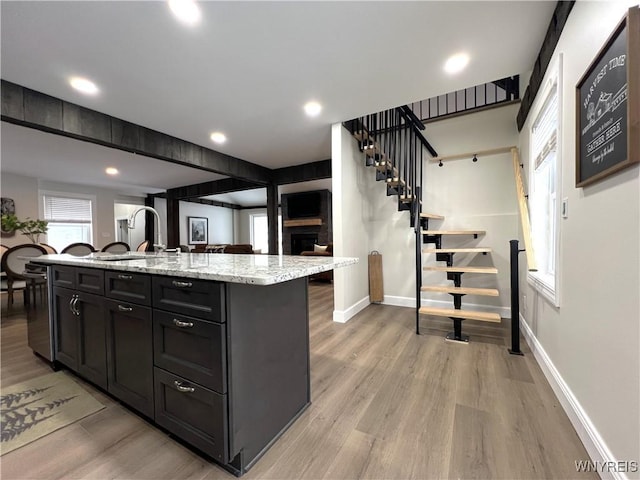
[236, 268]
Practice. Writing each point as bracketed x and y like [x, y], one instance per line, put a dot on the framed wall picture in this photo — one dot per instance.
[198, 229]
[608, 106]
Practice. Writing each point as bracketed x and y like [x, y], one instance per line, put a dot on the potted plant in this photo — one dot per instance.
[32, 229]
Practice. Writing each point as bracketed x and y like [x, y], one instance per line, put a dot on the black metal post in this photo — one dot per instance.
[417, 231]
[515, 299]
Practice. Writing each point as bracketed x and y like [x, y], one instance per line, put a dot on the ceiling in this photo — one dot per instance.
[247, 69]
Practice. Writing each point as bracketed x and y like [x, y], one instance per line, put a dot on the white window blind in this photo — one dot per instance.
[544, 135]
[70, 219]
[67, 210]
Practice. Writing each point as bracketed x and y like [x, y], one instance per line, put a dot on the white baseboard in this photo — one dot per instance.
[593, 442]
[342, 316]
[504, 312]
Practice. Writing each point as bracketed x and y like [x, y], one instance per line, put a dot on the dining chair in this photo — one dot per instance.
[116, 247]
[50, 250]
[13, 264]
[79, 249]
[143, 246]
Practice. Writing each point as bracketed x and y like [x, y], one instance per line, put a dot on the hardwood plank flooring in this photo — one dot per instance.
[387, 404]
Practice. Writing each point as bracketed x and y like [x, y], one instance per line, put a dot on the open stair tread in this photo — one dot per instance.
[361, 135]
[468, 314]
[463, 269]
[385, 164]
[372, 149]
[431, 215]
[490, 292]
[457, 250]
[395, 181]
[453, 232]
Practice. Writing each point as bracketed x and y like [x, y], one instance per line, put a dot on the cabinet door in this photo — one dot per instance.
[66, 327]
[193, 413]
[130, 354]
[192, 348]
[92, 348]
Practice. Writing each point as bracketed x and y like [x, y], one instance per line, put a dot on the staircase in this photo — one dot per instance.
[454, 274]
[392, 143]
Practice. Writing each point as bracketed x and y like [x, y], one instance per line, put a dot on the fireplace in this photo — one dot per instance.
[301, 242]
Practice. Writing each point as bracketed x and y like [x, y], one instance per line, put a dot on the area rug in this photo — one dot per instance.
[37, 407]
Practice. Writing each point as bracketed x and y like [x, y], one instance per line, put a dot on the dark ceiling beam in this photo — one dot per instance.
[203, 201]
[26, 107]
[559, 19]
[214, 187]
[302, 173]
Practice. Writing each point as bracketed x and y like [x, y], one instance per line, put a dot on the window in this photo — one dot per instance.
[544, 185]
[70, 219]
[260, 232]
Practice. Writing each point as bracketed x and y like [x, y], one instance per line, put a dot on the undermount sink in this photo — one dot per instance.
[106, 256]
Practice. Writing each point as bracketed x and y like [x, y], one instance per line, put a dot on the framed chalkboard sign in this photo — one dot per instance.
[608, 106]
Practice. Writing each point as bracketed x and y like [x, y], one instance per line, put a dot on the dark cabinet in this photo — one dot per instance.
[89, 280]
[194, 413]
[130, 354]
[65, 327]
[92, 348]
[128, 287]
[192, 348]
[80, 333]
[196, 298]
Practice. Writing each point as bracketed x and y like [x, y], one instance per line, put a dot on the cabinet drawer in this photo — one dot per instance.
[90, 280]
[193, 413]
[130, 287]
[64, 276]
[191, 348]
[196, 298]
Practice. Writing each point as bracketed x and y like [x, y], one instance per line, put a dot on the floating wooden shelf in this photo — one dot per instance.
[303, 222]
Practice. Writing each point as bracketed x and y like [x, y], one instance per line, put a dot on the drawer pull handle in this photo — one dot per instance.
[183, 388]
[122, 308]
[125, 277]
[182, 284]
[181, 324]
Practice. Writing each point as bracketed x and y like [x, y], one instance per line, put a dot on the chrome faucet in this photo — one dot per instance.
[131, 223]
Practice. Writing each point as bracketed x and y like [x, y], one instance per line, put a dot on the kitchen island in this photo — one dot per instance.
[213, 348]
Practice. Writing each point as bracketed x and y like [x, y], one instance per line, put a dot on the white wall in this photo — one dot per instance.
[243, 220]
[221, 221]
[465, 193]
[24, 190]
[351, 223]
[473, 196]
[592, 342]
[122, 211]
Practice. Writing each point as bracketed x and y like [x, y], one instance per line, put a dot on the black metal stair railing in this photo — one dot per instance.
[392, 142]
[468, 99]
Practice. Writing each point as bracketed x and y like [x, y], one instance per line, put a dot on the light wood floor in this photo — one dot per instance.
[387, 404]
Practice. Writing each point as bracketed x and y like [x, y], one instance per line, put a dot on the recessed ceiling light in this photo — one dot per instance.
[185, 10]
[456, 63]
[312, 109]
[83, 85]
[218, 137]
[111, 171]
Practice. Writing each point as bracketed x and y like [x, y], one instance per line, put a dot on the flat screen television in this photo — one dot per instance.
[304, 205]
